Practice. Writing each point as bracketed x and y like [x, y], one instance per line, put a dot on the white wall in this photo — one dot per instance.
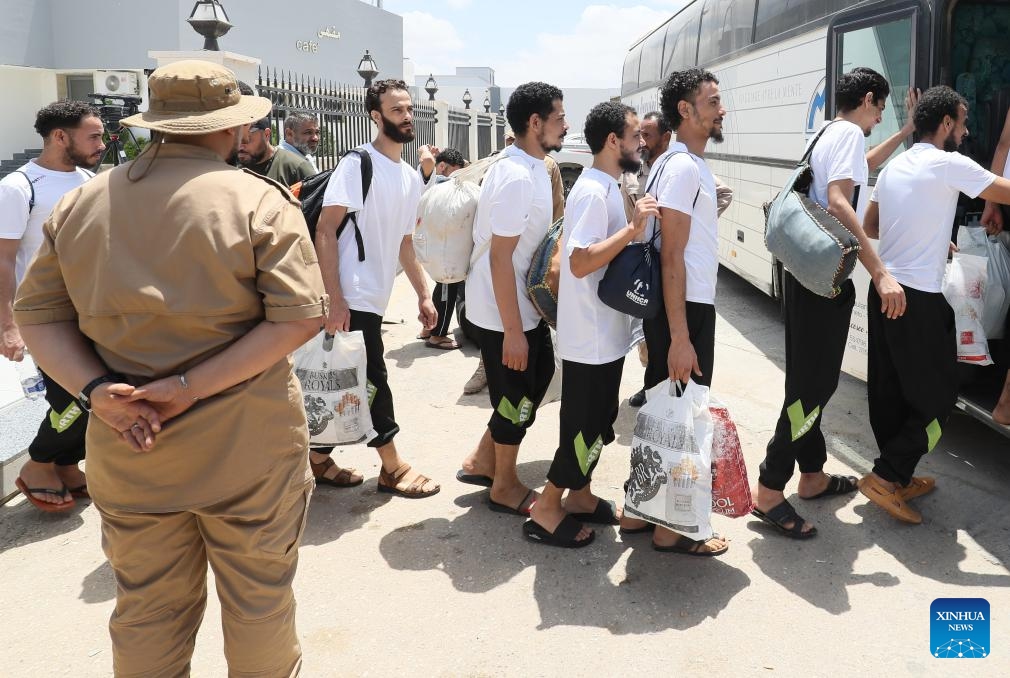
[26, 90]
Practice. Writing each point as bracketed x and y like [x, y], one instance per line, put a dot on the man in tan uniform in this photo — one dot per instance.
[175, 329]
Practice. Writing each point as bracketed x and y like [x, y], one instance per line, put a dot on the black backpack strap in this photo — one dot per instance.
[366, 185]
[655, 231]
[31, 187]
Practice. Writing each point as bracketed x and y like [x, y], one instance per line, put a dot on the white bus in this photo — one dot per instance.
[777, 61]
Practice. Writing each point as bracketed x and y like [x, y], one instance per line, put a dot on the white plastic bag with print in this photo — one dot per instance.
[331, 370]
[671, 461]
[964, 288]
[974, 240]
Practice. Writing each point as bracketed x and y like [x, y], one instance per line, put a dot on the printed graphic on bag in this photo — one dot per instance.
[684, 475]
[675, 437]
[327, 381]
[347, 406]
[318, 415]
[647, 474]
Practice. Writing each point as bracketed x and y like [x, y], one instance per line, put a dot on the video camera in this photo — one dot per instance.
[114, 107]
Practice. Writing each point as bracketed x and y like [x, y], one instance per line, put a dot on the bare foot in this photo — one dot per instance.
[480, 462]
[581, 501]
[513, 495]
[1001, 414]
[767, 499]
[72, 476]
[549, 519]
[35, 474]
[812, 484]
[665, 538]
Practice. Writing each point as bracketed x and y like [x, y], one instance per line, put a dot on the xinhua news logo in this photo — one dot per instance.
[959, 628]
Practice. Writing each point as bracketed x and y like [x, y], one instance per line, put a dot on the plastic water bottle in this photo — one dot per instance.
[30, 378]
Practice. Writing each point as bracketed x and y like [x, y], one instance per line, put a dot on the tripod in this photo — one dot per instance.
[115, 150]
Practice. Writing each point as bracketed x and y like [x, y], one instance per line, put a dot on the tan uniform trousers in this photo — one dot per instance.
[160, 562]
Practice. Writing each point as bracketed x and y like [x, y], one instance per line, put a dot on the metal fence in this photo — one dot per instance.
[500, 131]
[340, 109]
[459, 132]
[484, 131]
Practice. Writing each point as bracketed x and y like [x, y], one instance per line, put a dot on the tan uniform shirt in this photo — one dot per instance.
[557, 188]
[162, 274]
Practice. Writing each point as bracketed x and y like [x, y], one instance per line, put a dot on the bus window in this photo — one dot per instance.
[630, 81]
[887, 49]
[650, 71]
[726, 26]
[681, 41]
[775, 17]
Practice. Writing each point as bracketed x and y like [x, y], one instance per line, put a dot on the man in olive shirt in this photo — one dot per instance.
[175, 331]
[258, 155]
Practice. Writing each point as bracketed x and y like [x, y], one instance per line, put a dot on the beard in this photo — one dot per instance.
[232, 158]
[716, 134]
[75, 157]
[950, 144]
[395, 132]
[542, 140]
[629, 162]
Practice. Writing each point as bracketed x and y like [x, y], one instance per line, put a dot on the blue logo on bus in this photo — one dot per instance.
[815, 109]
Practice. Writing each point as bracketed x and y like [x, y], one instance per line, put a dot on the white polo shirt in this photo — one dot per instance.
[515, 200]
[917, 194]
[840, 154]
[589, 331]
[680, 176]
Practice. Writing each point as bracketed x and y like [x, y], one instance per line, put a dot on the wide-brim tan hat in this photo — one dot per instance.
[197, 97]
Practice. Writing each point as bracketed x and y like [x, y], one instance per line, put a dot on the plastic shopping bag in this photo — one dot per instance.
[996, 301]
[731, 495]
[671, 461]
[964, 288]
[331, 370]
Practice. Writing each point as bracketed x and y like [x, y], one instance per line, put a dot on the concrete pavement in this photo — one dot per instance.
[444, 587]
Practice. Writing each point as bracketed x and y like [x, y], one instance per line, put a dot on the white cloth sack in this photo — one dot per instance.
[964, 287]
[671, 461]
[336, 391]
[996, 302]
[443, 237]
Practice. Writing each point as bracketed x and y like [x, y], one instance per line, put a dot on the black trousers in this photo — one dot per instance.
[912, 380]
[515, 396]
[380, 397]
[816, 331]
[60, 439]
[700, 329]
[590, 397]
[444, 298]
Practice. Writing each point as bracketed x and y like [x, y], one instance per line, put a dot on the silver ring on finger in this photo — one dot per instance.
[137, 426]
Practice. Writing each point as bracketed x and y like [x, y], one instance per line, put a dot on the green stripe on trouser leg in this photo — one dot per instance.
[933, 433]
[517, 415]
[371, 391]
[62, 421]
[799, 421]
[587, 455]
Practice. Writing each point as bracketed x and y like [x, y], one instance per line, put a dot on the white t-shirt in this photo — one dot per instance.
[840, 154]
[679, 177]
[389, 214]
[515, 200]
[589, 331]
[917, 194]
[15, 221]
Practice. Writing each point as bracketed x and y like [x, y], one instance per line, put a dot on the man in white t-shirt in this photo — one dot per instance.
[681, 337]
[513, 214]
[593, 338]
[912, 359]
[72, 140]
[359, 278]
[817, 327]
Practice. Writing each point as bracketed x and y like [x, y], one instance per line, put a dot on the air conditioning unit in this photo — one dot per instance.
[117, 82]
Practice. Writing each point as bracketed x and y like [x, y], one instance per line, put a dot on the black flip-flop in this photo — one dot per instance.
[690, 547]
[80, 492]
[474, 478]
[521, 510]
[837, 485]
[563, 536]
[605, 513]
[782, 514]
[648, 527]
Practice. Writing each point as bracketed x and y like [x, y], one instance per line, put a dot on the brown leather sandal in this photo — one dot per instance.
[344, 478]
[392, 483]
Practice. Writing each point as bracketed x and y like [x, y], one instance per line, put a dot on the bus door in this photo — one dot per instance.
[892, 38]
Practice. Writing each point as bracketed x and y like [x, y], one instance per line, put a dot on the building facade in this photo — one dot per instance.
[53, 49]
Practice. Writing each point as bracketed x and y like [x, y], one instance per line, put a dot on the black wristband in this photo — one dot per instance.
[84, 397]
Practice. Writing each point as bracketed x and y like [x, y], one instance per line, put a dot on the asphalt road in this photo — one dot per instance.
[444, 587]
